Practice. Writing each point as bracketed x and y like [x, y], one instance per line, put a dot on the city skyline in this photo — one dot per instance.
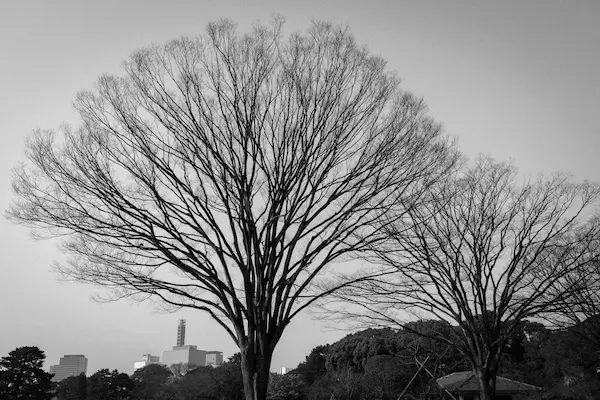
[72, 365]
[516, 81]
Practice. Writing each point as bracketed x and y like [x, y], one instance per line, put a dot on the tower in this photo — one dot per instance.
[181, 333]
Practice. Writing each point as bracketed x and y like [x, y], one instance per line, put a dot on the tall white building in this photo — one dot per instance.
[146, 359]
[69, 365]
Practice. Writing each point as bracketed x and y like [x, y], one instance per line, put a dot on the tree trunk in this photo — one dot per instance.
[256, 365]
[487, 383]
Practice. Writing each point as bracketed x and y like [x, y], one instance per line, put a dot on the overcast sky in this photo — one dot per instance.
[517, 80]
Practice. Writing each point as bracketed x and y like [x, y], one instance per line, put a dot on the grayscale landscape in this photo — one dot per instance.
[283, 200]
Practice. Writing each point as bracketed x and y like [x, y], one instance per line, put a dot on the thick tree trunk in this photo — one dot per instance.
[487, 383]
[256, 365]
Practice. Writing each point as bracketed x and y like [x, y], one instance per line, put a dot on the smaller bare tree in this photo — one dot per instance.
[579, 312]
[485, 253]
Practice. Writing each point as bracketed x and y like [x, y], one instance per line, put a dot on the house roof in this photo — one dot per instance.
[466, 381]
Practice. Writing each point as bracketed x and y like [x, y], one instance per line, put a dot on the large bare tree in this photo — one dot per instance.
[225, 172]
[484, 252]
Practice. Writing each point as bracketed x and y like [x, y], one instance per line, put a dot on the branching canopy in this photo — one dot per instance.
[225, 172]
[482, 251]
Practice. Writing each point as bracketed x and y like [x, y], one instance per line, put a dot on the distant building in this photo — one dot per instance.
[184, 354]
[146, 359]
[284, 370]
[54, 370]
[189, 354]
[69, 365]
[214, 358]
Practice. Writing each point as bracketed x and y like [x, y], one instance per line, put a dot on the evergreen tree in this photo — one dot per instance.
[22, 376]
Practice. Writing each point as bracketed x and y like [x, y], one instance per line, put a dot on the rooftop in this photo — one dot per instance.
[466, 381]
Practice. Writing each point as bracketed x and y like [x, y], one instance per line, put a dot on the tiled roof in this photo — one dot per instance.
[466, 381]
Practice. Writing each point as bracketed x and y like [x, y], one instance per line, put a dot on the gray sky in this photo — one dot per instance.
[517, 80]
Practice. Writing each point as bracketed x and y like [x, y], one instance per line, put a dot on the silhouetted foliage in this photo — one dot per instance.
[190, 382]
[197, 383]
[72, 388]
[354, 350]
[228, 381]
[344, 383]
[109, 385]
[236, 358]
[524, 357]
[314, 367]
[149, 381]
[384, 377]
[22, 376]
[396, 354]
[286, 387]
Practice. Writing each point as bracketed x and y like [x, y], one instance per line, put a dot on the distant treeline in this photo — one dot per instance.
[370, 364]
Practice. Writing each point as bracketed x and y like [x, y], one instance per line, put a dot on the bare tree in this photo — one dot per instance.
[485, 253]
[224, 173]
